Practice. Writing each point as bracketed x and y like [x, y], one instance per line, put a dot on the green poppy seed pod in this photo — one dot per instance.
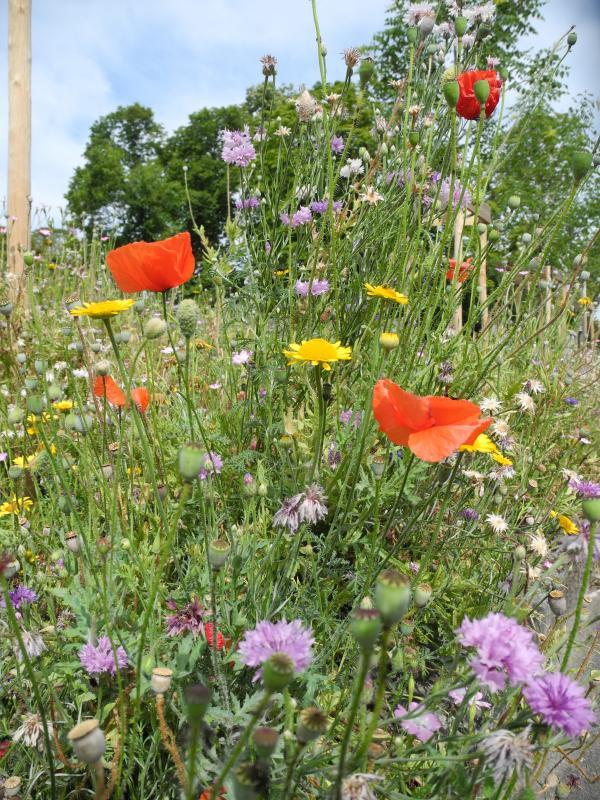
[190, 461]
[392, 596]
[503, 72]
[70, 422]
[138, 306]
[460, 25]
[155, 328]
[87, 741]
[581, 164]
[426, 25]
[494, 235]
[265, 740]
[572, 39]
[31, 383]
[21, 358]
[161, 679]
[28, 259]
[422, 595]
[6, 309]
[102, 367]
[15, 472]
[218, 553]
[277, 672]
[451, 91]
[481, 227]
[35, 404]
[485, 29]
[247, 782]
[96, 347]
[54, 392]
[526, 238]
[312, 723]
[412, 34]
[365, 627]
[40, 366]
[585, 275]
[557, 602]
[188, 315]
[413, 138]
[15, 416]
[197, 699]
[366, 70]
[482, 91]
[514, 201]
[83, 423]
[591, 509]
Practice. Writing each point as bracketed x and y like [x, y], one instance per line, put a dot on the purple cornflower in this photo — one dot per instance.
[313, 506]
[423, 724]
[561, 702]
[248, 479]
[185, 620]
[319, 287]
[20, 596]
[351, 416]
[470, 514]
[213, 464]
[288, 516]
[458, 695]
[301, 288]
[301, 217]
[101, 658]
[505, 649]
[237, 148]
[456, 194]
[586, 489]
[321, 206]
[334, 457]
[268, 638]
[3, 457]
[241, 357]
[571, 401]
[245, 203]
[337, 144]
[414, 567]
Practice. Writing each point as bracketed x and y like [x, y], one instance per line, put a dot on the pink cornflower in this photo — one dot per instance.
[505, 650]
[561, 702]
[288, 515]
[337, 144]
[101, 658]
[291, 638]
[213, 463]
[313, 506]
[586, 489]
[422, 724]
[188, 619]
[238, 148]
[458, 695]
[241, 357]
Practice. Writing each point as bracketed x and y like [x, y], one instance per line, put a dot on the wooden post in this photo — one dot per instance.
[19, 140]
[547, 272]
[482, 286]
[584, 316]
[459, 225]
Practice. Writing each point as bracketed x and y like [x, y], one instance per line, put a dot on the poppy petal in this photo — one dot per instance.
[152, 266]
[141, 397]
[437, 443]
[105, 386]
[447, 411]
[397, 410]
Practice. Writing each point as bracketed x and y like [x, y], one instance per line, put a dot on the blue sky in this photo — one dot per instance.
[177, 56]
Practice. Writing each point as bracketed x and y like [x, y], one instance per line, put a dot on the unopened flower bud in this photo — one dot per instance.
[35, 404]
[161, 679]
[197, 699]
[571, 38]
[451, 91]
[520, 553]
[514, 201]
[422, 595]
[188, 315]
[312, 723]
[581, 164]
[87, 741]
[277, 672]
[412, 34]
[366, 626]
[392, 596]
[306, 105]
[28, 259]
[591, 509]
[460, 25]
[426, 25]
[389, 341]
[155, 328]
[366, 70]
[191, 460]
[481, 90]
[218, 553]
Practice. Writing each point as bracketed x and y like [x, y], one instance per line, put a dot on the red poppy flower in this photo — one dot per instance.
[152, 266]
[463, 271]
[208, 632]
[4, 747]
[106, 387]
[205, 795]
[141, 397]
[431, 427]
[468, 105]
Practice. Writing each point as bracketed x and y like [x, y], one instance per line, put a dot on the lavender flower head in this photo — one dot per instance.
[247, 203]
[20, 596]
[241, 357]
[238, 149]
[188, 619]
[586, 489]
[288, 515]
[470, 514]
[422, 724]
[321, 206]
[561, 702]
[301, 217]
[313, 506]
[213, 464]
[457, 192]
[505, 650]
[268, 638]
[99, 659]
[317, 288]
[337, 144]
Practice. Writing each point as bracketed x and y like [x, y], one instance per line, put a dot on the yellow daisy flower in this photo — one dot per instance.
[279, 273]
[565, 523]
[318, 351]
[500, 459]
[102, 310]
[24, 461]
[386, 293]
[482, 444]
[585, 301]
[63, 405]
[16, 506]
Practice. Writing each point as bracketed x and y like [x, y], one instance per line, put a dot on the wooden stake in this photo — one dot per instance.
[459, 225]
[19, 141]
[485, 314]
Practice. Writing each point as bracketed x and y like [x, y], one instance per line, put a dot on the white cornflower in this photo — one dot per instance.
[534, 386]
[525, 402]
[353, 166]
[507, 752]
[356, 787]
[538, 544]
[80, 373]
[34, 645]
[497, 523]
[416, 12]
[500, 428]
[282, 131]
[490, 405]
[30, 731]
[371, 196]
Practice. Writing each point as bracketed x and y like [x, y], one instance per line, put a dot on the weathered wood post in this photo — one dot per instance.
[19, 140]
[459, 226]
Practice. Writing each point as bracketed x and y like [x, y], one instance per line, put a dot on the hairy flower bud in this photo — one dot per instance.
[190, 461]
[155, 328]
[218, 553]
[306, 105]
[581, 164]
[460, 25]
[482, 91]
[392, 596]
[188, 315]
[365, 627]
[451, 91]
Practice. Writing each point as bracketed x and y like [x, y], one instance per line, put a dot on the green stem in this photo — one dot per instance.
[379, 694]
[356, 696]
[290, 770]
[587, 571]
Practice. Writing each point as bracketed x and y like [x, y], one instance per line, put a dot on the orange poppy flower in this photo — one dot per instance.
[431, 427]
[205, 795]
[106, 387]
[141, 397]
[464, 270]
[152, 266]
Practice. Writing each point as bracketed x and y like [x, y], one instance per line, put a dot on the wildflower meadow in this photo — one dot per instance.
[303, 503]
